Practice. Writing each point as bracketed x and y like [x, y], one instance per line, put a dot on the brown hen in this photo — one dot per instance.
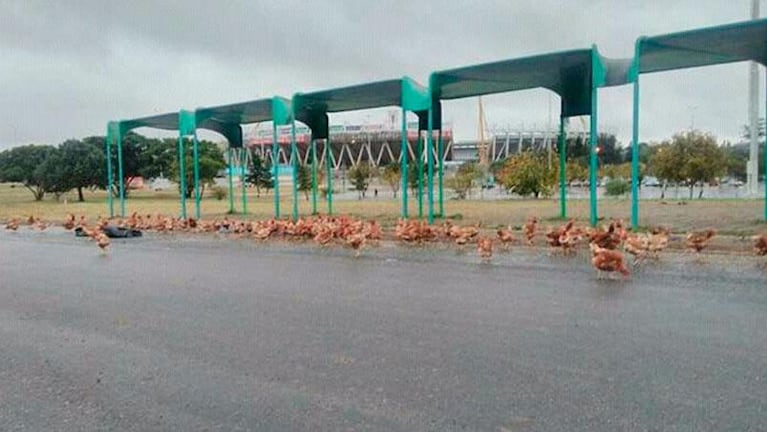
[698, 241]
[606, 260]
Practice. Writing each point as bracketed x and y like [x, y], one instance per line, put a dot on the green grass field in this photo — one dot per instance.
[735, 216]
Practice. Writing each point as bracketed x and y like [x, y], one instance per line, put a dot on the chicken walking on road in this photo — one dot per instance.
[606, 260]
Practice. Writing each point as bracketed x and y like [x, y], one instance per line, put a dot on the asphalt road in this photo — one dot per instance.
[208, 334]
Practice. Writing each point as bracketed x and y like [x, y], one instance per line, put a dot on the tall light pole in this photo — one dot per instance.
[753, 118]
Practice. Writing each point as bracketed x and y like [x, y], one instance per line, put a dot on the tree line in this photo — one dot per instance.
[81, 164]
[687, 159]
[691, 158]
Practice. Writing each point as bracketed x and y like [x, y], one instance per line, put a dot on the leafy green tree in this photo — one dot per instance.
[496, 166]
[23, 165]
[360, 177]
[412, 176]
[737, 158]
[464, 179]
[706, 163]
[211, 161]
[689, 158]
[610, 151]
[259, 175]
[528, 173]
[133, 145]
[578, 150]
[575, 170]
[392, 176]
[82, 165]
[156, 157]
[304, 179]
[53, 174]
[646, 151]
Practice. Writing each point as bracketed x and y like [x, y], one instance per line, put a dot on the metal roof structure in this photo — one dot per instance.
[575, 75]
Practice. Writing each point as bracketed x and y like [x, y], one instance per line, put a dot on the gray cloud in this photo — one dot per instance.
[69, 67]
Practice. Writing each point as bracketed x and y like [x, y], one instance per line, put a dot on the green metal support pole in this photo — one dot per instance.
[593, 168]
[764, 172]
[440, 174]
[231, 183]
[121, 183]
[243, 185]
[275, 171]
[419, 153]
[562, 169]
[294, 163]
[108, 153]
[430, 167]
[196, 162]
[182, 174]
[314, 177]
[403, 164]
[635, 158]
[329, 169]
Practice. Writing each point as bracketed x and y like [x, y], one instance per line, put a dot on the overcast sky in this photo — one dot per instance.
[68, 67]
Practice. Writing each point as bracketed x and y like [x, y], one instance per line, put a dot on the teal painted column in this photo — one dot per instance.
[121, 184]
[441, 154]
[294, 163]
[108, 153]
[419, 153]
[196, 162]
[329, 169]
[314, 177]
[243, 184]
[229, 174]
[764, 171]
[430, 167]
[562, 168]
[593, 168]
[275, 171]
[403, 165]
[182, 175]
[635, 158]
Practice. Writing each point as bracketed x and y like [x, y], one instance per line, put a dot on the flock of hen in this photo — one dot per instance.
[607, 244]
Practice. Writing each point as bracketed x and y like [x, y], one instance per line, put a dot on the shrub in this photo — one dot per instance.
[219, 192]
[616, 187]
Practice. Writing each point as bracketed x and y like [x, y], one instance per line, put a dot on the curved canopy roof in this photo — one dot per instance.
[224, 119]
[571, 74]
[227, 119]
[568, 73]
[312, 108]
[167, 121]
[741, 41]
[276, 108]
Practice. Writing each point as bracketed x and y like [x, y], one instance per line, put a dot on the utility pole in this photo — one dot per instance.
[752, 167]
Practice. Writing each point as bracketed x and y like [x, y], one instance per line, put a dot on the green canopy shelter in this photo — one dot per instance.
[116, 130]
[312, 109]
[227, 120]
[729, 43]
[574, 75]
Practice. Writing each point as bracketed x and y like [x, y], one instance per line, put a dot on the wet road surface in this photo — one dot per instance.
[208, 334]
